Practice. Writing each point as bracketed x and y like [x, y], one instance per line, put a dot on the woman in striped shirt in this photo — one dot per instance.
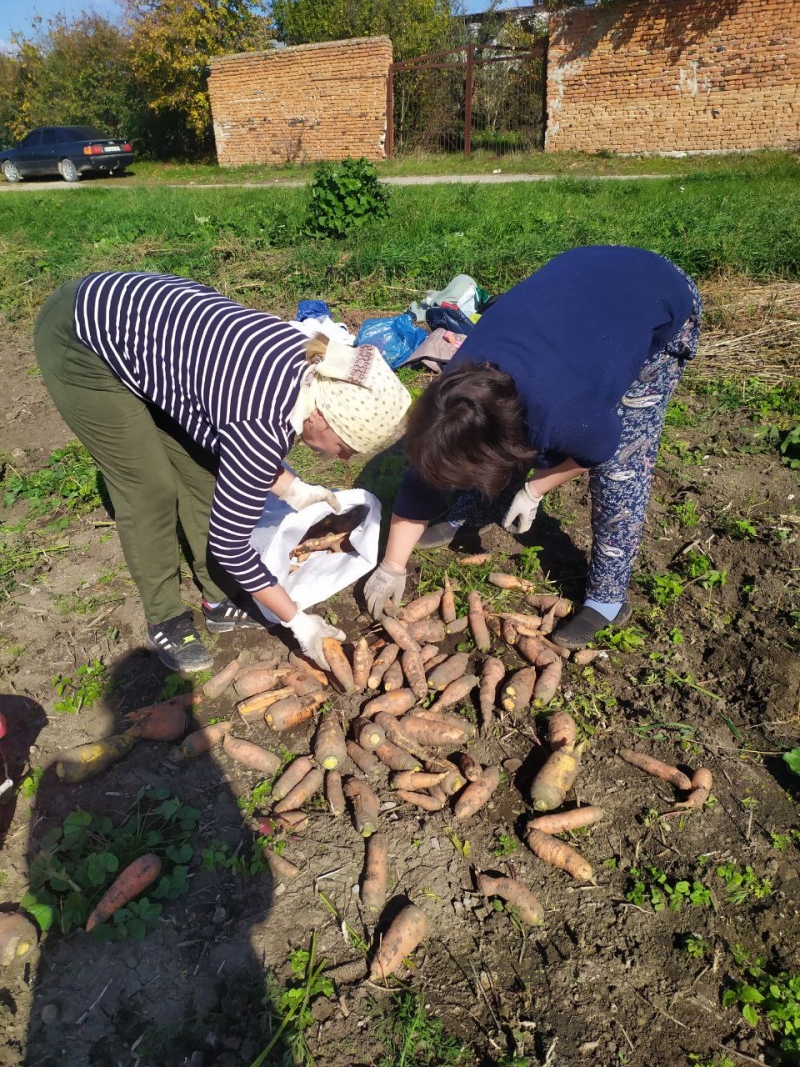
[189, 403]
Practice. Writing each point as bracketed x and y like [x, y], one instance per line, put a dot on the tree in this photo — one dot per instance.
[415, 26]
[171, 43]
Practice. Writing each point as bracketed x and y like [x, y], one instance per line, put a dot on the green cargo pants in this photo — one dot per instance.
[155, 474]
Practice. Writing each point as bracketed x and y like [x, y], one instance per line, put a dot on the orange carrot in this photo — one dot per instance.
[458, 626]
[297, 659]
[477, 793]
[656, 768]
[329, 747]
[18, 938]
[362, 661]
[702, 781]
[128, 884]
[567, 820]
[302, 682]
[584, 656]
[456, 692]
[433, 732]
[294, 773]
[405, 932]
[281, 868]
[468, 766]
[420, 608]
[398, 631]
[448, 603]
[474, 561]
[548, 680]
[334, 792]
[453, 780]
[395, 702]
[250, 755]
[159, 722]
[385, 658]
[491, 676]
[522, 901]
[364, 803]
[477, 622]
[292, 821]
[530, 647]
[519, 689]
[555, 779]
[290, 712]
[427, 631]
[393, 678]
[366, 762]
[367, 733]
[375, 878]
[414, 670]
[525, 625]
[338, 663]
[305, 789]
[254, 707]
[252, 681]
[557, 854]
[203, 740]
[508, 632]
[561, 730]
[508, 581]
[548, 622]
[452, 668]
[415, 780]
[398, 735]
[217, 685]
[559, 605]
[396, 758]
[421, 800]
[430, 653]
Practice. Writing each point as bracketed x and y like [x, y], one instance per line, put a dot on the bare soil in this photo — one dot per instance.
[605, 980]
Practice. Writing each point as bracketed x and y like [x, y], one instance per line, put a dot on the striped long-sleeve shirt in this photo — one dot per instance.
[227, 374]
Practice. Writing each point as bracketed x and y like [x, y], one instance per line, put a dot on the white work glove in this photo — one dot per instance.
[387, 582]
[301, 495]
[519, 517]
[309, 630]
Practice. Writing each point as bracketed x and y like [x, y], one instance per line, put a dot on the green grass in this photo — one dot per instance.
[246, 241]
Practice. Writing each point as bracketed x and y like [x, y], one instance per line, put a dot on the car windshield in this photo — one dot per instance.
[82, 133]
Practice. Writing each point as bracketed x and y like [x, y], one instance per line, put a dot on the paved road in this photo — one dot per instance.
[37, 185]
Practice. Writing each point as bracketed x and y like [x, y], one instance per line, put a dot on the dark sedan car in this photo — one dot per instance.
[70, 151]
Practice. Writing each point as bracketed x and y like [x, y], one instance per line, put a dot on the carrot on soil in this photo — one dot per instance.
[362, 661]
[375, 878]
[428, 631]
[432, 732]
[468, 766]
[477, 622]
[584, 656]
[561, 730]
[415, 780]
[329, 747]
[493, 673]
[403, 935]
[395, 702]
[447, 607]
[84, 761]
[448, 671]
[334, 793]
[309, 784]
[128, 884]
[159, 722]
[513, 892]
[398, 735]
[456, 692]
[414, 670]
[393, 678]
[567, 820]
[18, 938]
[364, 804]
[655, 767]
[203, 740]
[290, 712]
[557, 854]
[420, 800]
[396, 758]
[458, 626]
[366, 762]
[548, 622]
[251, 682]
[508, 581]
[420, 608]
[296, 659]
[255, 705]
[281, 867]
[338, 663]
[430, 653]
[367, 733]
[518, 690]
[702, 782]
[477, 793]
[217, 685]
[294, 773]
[555, 779]
[251, 755]
[398, 631]
[476, 560]
[385, 658]
[559, 605]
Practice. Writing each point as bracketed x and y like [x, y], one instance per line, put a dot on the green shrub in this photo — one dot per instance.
[344, 196]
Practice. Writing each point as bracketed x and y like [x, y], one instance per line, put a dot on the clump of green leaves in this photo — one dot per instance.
[219, 856]
[412, 1038]
[695, 947]
[628, 639]
[69, 480]
[663, 589]
[697, 567]
[788, 444]
[82, 689]
[776, 997]
[743, 883]
[504, 844]
[652, 884]
[345, 196]
[792, 760]
[782, 841]
[77, 862]
[687, 514]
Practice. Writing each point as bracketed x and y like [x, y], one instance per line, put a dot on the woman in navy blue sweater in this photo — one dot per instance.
[569, 372]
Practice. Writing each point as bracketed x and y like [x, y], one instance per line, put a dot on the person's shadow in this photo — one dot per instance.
[192, 988]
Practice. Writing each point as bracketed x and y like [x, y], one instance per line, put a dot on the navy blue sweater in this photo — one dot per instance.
[573, 336]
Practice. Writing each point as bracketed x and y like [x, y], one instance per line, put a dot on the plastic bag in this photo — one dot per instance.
[395, 338]
[280, 528]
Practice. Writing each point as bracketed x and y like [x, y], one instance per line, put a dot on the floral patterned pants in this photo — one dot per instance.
[620, 487]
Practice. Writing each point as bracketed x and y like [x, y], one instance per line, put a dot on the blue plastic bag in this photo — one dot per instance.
[394, 338]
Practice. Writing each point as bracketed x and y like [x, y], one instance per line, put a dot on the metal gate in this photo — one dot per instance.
[478, 96]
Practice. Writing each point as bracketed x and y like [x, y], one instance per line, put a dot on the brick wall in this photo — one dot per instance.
[311, 102]
[675, 75]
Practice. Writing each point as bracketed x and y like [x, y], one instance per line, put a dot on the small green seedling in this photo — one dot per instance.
[742, 884]
[81, 690]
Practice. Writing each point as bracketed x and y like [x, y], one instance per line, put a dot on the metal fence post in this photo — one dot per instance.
[468, 103]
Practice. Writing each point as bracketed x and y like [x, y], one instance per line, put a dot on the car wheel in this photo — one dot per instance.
[68, 171]
[10, 172]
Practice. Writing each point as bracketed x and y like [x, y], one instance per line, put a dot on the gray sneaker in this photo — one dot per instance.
[578, 631]
[177, 644]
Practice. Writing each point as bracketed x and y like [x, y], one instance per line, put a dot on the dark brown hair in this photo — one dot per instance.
[467, 431]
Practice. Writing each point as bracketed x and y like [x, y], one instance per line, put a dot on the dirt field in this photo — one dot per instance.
[713, 679]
